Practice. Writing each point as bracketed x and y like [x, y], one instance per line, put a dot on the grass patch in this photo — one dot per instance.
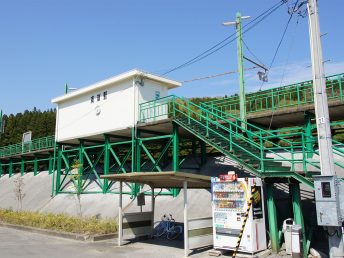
[59, 222]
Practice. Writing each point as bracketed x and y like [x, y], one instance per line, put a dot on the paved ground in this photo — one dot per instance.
[16, 243]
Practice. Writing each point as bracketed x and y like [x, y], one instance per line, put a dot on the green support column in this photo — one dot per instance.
[1, 170]
[22, 167]
[203, 153]
[81, 165]
[10, 170]
[175, 151]
[136, 158]
[272, 218]
[58, 168]
[35, 166]
[106, 162]
[298, 216]
[50, 166]
[308, 134]
[138, 151]
[133, 160]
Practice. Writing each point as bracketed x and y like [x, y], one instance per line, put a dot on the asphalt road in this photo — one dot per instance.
[16, 243]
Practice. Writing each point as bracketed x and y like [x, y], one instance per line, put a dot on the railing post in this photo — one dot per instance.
[272, 100]
[59, 168]
[304, 155]
[207, 124]
[154, 113]
[298, 95]
[188, 112]
[230, 137]
[292, 158]
[340, 84]
[262, 167]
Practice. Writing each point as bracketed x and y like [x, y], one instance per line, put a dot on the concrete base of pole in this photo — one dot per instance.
[335, 241]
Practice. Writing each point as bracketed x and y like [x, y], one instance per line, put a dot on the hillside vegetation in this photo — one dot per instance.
[41, 123]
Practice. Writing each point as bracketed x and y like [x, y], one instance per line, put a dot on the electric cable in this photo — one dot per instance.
[281, 40]
[249, 50]
[216, 75]
[284, 68]
[218, 46]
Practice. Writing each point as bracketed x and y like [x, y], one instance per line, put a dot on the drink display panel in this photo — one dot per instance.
[230, 196]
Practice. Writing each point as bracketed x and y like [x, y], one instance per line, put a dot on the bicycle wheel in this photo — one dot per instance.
[174, 232]
[160, 230]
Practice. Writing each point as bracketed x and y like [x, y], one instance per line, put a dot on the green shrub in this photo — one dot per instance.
[59, 222]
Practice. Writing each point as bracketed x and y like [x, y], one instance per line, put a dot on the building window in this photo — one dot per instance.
[92, 99]
[98, 97]
[157, 95]
[105, 95]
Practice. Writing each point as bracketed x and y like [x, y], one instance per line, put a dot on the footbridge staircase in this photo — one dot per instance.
[263, 153]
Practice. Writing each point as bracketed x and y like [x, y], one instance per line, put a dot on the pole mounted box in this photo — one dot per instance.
[329, 200]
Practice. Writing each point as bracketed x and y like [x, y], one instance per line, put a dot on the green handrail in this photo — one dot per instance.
[35, 145]
[256, 137]
[293, 95]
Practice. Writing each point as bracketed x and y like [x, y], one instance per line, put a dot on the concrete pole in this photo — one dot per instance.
[242, 97]
[120, 215]
[186, 223]
[322, 115]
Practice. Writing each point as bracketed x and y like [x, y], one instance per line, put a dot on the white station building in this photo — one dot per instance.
[107, 106]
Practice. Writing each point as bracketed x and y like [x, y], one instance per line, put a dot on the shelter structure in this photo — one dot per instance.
[199, 235]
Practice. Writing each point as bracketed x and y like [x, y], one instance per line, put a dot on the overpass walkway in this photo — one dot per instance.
[216, 123]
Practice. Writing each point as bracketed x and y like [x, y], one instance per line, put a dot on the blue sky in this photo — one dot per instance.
[47, 43]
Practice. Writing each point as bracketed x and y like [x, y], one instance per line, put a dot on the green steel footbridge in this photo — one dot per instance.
[278, 143]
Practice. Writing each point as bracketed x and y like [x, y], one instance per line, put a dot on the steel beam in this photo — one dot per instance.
[106, 162]
[272, 217]
[22, 167]
[58, 168]
[10, 169]
[81, 166]
[35, 166]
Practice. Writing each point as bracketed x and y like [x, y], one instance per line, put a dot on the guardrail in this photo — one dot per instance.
[294, 95]
[47, 142]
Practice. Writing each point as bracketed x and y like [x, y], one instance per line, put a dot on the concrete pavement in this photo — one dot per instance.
[15, 243]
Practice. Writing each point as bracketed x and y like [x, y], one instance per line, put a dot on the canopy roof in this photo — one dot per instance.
[166, 179]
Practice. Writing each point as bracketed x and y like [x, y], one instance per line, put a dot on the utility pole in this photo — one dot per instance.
[322, 120]
[242, 97]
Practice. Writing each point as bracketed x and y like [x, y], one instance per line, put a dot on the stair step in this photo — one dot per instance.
[276, 168]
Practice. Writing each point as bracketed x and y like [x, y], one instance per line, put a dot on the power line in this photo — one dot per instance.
[218, 46]
[281, 40]
[249, 50]
[216, 75]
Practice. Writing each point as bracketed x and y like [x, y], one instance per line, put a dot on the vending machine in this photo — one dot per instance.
[237, 216]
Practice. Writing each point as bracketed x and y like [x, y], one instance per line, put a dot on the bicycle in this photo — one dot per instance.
[168, 227]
